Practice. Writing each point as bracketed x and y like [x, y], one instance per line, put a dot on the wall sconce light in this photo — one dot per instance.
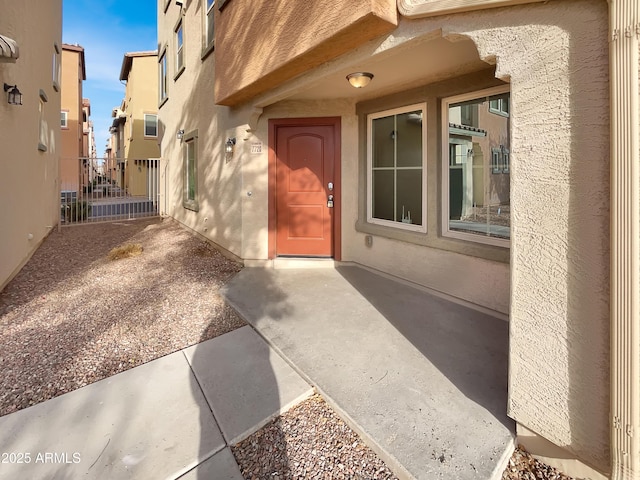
[229, 147]
[180, 134]
[359, 79]
[14, 97]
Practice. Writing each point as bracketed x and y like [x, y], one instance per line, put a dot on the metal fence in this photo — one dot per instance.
[106, 189]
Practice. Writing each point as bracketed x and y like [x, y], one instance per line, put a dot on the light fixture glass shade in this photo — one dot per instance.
[359, 79]
[14, 97]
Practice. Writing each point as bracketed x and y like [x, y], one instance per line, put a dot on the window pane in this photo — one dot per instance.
[383, 194]
[409, 139]
[479, 180]
[210, 32]
[409, 193]
[191, 172]
[397, 157]
[383, 132]
[151, 125]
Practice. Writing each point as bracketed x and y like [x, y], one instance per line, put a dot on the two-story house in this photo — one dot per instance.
[487, 150]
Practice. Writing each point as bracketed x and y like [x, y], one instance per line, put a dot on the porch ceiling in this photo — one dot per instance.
[417, 63]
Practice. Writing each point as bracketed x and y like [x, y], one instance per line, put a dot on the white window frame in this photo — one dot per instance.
[145, 125]
[57, 67]
[64, 119]
[180, 61]
[389, 223]
[163, 84]
[190, 141]
[446, 232]
[209, 10]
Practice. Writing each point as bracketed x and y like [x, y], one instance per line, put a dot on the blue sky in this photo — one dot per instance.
[107, 29]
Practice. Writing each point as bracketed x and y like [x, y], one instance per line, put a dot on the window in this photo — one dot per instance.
[190, 187]
[150, 125]
[179, 39]
[162, 69]
[499, 105]
[56, 67]
[396, 182]
[209, 28]
[476, 165]
[42, 123]
[63, 119]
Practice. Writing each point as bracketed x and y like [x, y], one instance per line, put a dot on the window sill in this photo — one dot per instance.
[177, 75]
[404, 235]
[42, 147]
[206, 51]
[56, 87]
[163, 101]
[470, 247]
[191, 205]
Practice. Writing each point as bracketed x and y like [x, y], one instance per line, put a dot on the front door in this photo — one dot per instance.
[305, 184]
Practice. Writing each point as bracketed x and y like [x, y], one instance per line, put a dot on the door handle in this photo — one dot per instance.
[330, 201]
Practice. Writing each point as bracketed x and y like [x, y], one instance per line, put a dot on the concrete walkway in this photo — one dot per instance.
[174, 417]
[424, 380]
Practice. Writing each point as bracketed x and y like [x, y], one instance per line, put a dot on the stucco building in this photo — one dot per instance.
[491, 156]
[73, 167]
[135, 126]
[30, 59]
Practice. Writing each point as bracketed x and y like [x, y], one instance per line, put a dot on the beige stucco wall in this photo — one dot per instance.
[190, 106]
[29, 178]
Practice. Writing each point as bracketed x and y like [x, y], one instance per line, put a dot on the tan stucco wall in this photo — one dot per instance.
[267, 43]
[29, 178]
[71, 137]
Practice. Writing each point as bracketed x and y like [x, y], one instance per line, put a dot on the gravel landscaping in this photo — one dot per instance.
[309, 441]
[100, 299]
[72, 316]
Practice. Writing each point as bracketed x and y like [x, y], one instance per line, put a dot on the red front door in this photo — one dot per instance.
[305, 180]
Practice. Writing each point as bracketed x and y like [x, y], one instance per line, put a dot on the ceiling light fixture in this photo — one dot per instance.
[359, 79]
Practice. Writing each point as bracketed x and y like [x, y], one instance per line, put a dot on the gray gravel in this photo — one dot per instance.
[309, 441]
[72, 317]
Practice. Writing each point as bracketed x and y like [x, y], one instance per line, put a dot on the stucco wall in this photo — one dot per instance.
[190, 106]
[559, 344]
[29, 177]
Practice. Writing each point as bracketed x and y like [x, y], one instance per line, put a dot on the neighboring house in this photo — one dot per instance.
[136, 121]
[493, 157]
[73, 167]
[30, 56]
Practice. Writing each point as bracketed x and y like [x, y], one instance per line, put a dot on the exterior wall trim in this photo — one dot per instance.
[430, 8]
[625, 238]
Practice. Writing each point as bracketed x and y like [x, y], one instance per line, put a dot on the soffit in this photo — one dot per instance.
[420, 64]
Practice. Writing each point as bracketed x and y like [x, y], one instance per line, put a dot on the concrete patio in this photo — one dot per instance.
[422, 378]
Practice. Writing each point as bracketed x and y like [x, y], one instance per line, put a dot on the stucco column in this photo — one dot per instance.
[624, 24]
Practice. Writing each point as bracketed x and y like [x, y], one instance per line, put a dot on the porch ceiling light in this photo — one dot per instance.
[14, 97]
[359, 79]
[180, 134]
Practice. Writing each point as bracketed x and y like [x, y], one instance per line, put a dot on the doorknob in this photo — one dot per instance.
[330, 201]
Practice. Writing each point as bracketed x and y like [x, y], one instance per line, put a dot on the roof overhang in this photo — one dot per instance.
[9, 51]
